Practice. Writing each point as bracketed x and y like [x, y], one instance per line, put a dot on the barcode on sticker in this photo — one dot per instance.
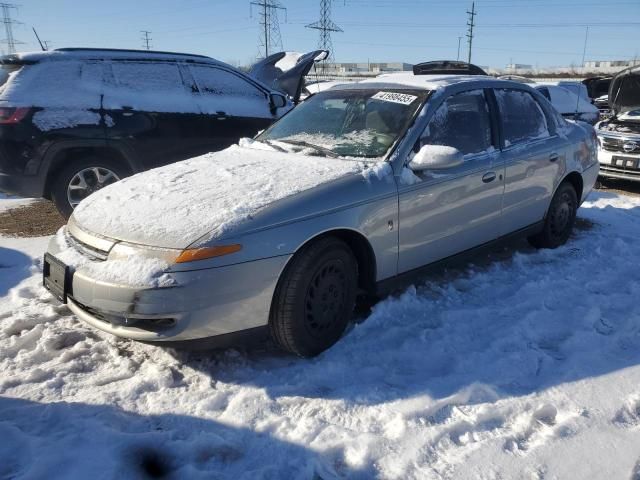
[402, 98]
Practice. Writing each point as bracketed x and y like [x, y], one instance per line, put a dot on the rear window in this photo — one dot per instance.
[522, 118]
[145, 76]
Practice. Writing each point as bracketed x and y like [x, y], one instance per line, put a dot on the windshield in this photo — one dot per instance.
[347, 123]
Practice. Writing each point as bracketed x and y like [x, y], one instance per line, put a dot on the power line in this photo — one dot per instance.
[270, 32]
[146, 39]
[326, 26]
[471, 24]
[8, 26]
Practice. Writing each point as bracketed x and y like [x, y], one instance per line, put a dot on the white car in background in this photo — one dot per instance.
[568, 103]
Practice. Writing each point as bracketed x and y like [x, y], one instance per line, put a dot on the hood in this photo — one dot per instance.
[207, 196]
[624, 91]
[285, 71]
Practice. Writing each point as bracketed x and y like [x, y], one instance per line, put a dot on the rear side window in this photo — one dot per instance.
[149, 77]
[462, 122]
[522, 118]
[216, 81]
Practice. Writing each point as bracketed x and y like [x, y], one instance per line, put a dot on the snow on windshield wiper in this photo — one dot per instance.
[301, 143]
[271, 144]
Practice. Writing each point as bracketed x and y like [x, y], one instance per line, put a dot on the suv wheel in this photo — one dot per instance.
[315, 298]
[77, 181]
[560, 218]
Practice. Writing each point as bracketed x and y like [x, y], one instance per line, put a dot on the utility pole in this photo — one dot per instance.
[471, 24]
[458, 57]
[8, 26]
[146, 39]
[326, 26]
[584, 50]
[270, 38]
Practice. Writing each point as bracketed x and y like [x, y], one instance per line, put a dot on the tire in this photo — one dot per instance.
[561, 216]
[315, 298]
[97, 172]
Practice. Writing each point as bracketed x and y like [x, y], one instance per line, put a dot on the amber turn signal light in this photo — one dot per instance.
[193, 254]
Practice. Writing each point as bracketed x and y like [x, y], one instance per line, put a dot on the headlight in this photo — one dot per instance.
[123, 250]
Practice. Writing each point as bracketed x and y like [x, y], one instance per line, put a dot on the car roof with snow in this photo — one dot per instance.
[106, 54]
[408, 80]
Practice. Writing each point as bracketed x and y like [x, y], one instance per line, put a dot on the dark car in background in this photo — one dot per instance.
[74, 120]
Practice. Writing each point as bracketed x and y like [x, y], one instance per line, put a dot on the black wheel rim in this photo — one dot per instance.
[562, 216]
[325, 299]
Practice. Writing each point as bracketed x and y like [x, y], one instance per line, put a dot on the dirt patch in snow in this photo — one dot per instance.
[36, 219]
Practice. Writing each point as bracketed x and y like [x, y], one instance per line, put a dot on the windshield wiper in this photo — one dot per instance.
[272, 144]
[301, 143]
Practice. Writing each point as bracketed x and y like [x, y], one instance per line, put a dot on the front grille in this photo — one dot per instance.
[87, 250]
[617, 144]
[619, 171]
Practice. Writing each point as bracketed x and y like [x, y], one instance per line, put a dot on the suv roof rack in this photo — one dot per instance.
[447, 67]
[126, 50]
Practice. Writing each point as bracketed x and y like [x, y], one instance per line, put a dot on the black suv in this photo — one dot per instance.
[75, 120]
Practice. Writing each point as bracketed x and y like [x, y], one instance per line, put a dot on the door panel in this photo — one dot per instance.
[454, 209]
[149, 109]
[445, 215]
[533, 159]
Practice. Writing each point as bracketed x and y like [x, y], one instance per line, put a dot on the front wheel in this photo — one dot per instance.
[78, 180]
[560, 218]
[315, 298]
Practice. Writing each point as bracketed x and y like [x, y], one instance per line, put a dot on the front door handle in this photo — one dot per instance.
[553, 157]
[221, 115]
[489, 177]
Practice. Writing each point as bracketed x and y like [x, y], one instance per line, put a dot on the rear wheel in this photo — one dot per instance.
[560, 218]
[78, 180]
[315, 298]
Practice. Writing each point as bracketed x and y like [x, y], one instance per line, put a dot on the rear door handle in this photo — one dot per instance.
[489, 177]
[553, 157]
[221, 115]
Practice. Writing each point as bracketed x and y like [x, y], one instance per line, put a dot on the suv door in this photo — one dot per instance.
[151, 112]
[232, 106]
[449, 211]
[533, 156]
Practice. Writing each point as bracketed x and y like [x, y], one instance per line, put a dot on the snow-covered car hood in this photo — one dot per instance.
[206, 196]
[624, 91]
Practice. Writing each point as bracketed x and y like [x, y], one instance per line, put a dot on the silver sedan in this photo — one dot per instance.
[355, 191]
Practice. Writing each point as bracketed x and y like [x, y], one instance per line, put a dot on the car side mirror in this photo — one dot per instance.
[436, 157]
[277, 100]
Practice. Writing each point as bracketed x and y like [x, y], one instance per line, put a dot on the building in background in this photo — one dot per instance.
[366, 68]
[609, 66]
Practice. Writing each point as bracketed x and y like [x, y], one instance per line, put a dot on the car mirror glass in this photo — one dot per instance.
[278, 100]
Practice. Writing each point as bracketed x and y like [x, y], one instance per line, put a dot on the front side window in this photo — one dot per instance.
[216, 81]
[522, 117]
[347, 123]
[462, 122]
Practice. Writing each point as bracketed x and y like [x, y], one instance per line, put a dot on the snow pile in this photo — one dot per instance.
[175, 205]
[524, 365]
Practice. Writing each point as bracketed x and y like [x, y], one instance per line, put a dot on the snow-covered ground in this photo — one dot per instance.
[523, 366]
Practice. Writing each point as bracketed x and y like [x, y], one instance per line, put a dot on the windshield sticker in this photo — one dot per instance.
[402, 98]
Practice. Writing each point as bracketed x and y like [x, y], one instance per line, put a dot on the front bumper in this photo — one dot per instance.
[622, 172]
[200, 304]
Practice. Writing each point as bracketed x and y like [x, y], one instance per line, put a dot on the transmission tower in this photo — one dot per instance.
[326, 26]
[270, 39]
[471, 24]
[146, 39]
[8, 26]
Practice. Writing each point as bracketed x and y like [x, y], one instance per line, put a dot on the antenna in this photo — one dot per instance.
[471, 24]
[38, 38]
[8, 26]
[326, 26]
[270, 35]
[146, 39]
[584, 53]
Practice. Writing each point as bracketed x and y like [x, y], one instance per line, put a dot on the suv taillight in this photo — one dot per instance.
[12, 115]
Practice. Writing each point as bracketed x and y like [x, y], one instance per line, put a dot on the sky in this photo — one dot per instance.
[542, 33]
